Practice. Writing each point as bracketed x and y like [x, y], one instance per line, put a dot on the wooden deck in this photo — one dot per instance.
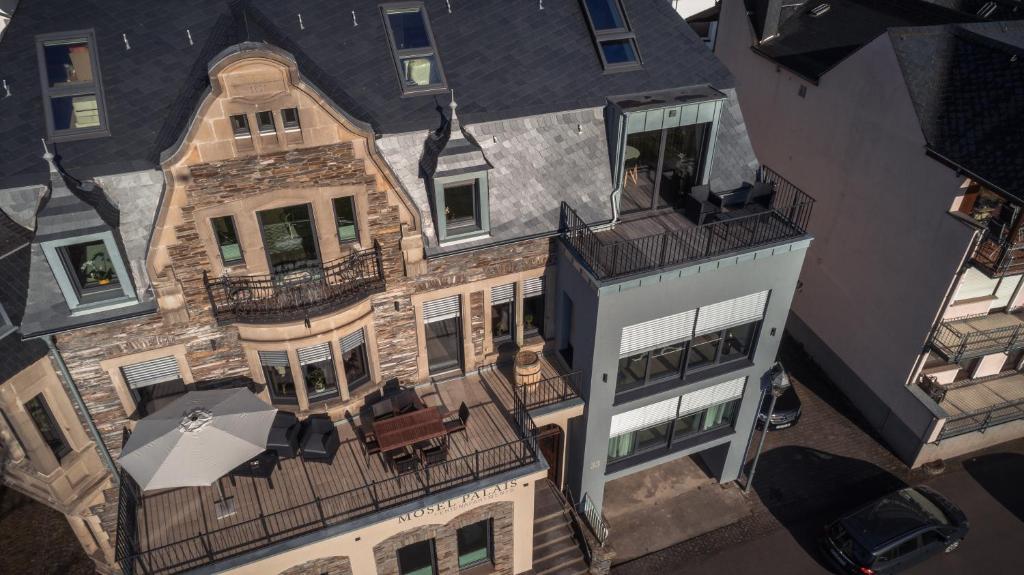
[641, 225]
[179, 529]
[501, 378]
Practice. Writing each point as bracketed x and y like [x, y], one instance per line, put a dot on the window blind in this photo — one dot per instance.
[440, 309]
[278, 358]
[645, 416]
[503, 294]
[533, 286]
[352, 340]
[732, 312]
[151, 372]
[314, 353]
[657, 332]
[705, 398]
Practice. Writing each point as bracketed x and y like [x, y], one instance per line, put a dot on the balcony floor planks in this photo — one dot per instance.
[170, 517]
[983, 396]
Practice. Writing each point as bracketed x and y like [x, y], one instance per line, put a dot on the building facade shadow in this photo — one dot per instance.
[1001, 475]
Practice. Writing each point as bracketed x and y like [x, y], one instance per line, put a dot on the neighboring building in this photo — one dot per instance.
[284, 196]
[687, 8]
[6, 13]
[902, 120]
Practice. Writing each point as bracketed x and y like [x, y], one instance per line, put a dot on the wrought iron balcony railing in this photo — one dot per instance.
[977, 336]
[786, 217]
[296, 295]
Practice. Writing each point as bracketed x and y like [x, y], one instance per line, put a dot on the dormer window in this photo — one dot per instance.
[462, 206]
[413, 48]
[616, 43]
[265, 123]
[290, 119]
[70, 74]
[240, 126]
[90, 272]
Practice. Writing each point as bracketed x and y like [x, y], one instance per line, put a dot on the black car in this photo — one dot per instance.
[895, 532]
[787, 410]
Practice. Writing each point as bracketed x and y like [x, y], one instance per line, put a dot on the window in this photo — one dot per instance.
[680, 152]
[227, 240]
[345, 218]
[461, 208]
[290, 119]
[354, 361]
[474, 543]
[70, 75]
[417, 559]
[443, 334]
[289, 238]
[90, 268]
[412, 46]
[318, 371]
[616, 43]
[265, 123]
[41, 416]
[277, 374]
[677, 360]
[663, 435]
[240, 126]
[154, 383]
[533, 306]
[502, 313]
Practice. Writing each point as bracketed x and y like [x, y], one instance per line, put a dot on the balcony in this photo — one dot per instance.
[976, 405]
[666, 238]
[296, 295]
[1000, 253]
[979, 335]
[171, 531]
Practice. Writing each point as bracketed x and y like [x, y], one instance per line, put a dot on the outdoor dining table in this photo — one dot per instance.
[408, 429]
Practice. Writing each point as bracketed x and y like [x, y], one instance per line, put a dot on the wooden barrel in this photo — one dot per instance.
[527, 368]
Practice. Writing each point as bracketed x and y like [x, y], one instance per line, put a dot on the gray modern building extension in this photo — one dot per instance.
[675, 310]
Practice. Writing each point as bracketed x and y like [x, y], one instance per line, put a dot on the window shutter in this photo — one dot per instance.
[705, 398]
[656, 332]
[533, 286]
[503, 294]
[314, 353]
[725, 314]
[278, 358]
[439, 309]
[151, 372]
[352, 340]
[645, 416]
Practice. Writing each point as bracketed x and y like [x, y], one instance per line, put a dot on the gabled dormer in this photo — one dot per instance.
[456, 171]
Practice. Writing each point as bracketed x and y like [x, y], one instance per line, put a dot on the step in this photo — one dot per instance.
[549, 523]
[551, 536]
[577, 567]
[563, 559]
[553, 545]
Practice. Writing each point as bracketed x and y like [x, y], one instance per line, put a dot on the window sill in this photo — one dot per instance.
[104, 305]
[464, 238]
[677, 445]
[675, 383]
[84, 134]
[480, 569]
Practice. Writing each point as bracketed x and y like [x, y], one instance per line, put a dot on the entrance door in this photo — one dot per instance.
[549, 439]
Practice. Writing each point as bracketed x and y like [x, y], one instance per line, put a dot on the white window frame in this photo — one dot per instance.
[66, 284]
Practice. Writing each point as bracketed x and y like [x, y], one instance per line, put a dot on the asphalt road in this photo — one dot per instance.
[990, 490]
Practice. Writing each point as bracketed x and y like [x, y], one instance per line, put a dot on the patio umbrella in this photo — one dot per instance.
[197, 439]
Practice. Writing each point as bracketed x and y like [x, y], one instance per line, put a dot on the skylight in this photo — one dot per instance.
[616, 43]
[412, 46]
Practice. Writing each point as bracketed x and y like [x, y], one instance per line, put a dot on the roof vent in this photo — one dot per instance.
[820, 9]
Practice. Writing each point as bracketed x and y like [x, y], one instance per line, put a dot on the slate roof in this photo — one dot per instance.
[812, 45]
[16, 354]
[967, 86]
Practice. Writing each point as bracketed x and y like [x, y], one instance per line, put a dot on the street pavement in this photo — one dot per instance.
[831, 463]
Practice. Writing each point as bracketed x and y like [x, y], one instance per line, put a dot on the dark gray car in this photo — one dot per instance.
[894, 532]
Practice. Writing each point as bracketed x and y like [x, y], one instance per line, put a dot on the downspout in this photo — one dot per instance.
[77, 398]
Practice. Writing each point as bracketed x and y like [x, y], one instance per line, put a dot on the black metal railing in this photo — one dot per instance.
[955, 343]
[126, 542]
[594, 519]
[787, 217]
[550, 391]
[1000, 252]
[982, 421]
[298, 294]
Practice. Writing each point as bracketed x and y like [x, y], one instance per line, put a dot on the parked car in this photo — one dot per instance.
[894, 532]
[787, 410]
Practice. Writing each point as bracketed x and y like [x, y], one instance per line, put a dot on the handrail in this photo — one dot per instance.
[1000, 255]
[299, 294]
[787, 216]
[982, 420]
[594, 519]
[958, 345]
[550, 391]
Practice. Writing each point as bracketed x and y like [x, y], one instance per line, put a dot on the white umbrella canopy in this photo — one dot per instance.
[197, 439]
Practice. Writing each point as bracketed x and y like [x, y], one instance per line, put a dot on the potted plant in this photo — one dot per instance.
[318, 379]
[98, 269]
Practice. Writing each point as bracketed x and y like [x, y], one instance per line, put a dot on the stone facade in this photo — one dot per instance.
[446, 544]
[324, 566]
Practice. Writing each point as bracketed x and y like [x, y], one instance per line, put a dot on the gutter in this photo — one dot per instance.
[77, 398]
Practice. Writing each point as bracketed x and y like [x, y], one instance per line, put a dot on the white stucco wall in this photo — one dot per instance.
[886, 249]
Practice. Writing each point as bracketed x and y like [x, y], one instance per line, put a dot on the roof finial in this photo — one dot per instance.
[48, 157]
[454, 118]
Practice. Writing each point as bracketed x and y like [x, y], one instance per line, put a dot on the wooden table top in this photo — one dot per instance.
[409, 428]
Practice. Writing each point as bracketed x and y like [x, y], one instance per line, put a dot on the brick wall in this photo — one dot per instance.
[325, 566]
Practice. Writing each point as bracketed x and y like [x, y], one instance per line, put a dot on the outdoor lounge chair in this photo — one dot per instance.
[319, 439]
[284, 435]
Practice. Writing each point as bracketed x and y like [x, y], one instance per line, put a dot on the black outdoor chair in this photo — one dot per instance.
[262, 466]
[391, 387]
[761, 194]
[459, 424]
[370, 446]
[697, 206]
[284, 435]
[404, 463]
[319, 438]
[434, 454]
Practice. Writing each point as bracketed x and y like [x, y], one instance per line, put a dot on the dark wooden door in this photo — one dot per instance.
[549, 438]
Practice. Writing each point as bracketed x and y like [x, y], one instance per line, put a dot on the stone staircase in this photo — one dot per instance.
[555, 550]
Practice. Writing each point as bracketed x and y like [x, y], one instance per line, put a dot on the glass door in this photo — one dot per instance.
[289, 237]
[444, 344]
[683, 164]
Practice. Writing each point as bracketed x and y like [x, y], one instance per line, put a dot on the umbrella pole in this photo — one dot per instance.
[226, 506]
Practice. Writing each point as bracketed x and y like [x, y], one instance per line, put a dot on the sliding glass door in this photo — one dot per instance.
[289, 237]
